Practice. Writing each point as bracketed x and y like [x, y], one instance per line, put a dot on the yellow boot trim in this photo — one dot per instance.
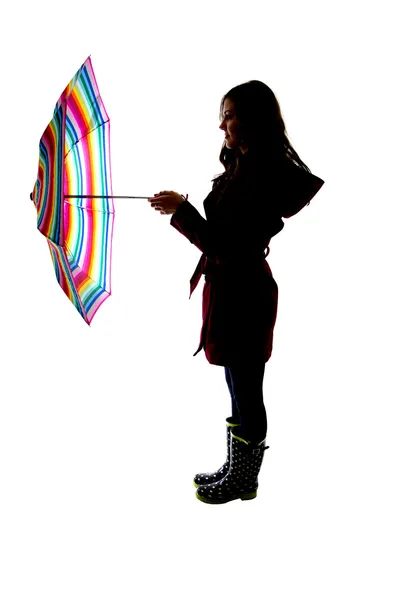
[240, 439]
[245, 441]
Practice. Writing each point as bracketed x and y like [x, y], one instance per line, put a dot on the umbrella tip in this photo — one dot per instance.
[31, 196]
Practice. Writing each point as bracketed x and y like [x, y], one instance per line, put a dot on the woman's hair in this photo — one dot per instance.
[261, 129]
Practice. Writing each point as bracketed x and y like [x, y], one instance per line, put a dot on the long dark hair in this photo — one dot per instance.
[261, 128]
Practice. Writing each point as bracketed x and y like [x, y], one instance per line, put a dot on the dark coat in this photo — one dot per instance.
[240, 295]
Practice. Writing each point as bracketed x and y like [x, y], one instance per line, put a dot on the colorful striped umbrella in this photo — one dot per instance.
[73, 193]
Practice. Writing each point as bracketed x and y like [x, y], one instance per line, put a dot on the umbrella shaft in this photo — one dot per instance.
[91, 196]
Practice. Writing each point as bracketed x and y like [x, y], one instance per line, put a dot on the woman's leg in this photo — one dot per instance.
[235, 413]
[245, 382]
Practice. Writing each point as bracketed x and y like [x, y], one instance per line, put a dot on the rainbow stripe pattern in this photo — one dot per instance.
[74, 159]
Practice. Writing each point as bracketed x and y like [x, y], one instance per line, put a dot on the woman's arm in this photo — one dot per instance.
[243, 226]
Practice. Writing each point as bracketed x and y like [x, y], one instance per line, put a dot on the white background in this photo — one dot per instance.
[103, 427]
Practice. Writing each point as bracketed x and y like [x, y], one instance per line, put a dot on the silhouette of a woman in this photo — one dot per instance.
[264, 181]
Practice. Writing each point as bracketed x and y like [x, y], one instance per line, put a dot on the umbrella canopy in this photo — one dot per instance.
[73, 193]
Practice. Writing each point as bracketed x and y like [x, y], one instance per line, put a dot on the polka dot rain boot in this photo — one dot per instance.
[205, 478]
[241, 481]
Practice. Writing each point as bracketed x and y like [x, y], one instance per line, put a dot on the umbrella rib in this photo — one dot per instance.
[108, 212]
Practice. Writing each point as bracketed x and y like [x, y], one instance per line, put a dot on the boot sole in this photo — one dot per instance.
[249, 496]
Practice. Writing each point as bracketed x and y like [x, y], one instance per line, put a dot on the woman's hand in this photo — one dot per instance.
[166, 202]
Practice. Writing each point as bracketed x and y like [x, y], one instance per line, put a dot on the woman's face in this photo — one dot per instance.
[230, 125]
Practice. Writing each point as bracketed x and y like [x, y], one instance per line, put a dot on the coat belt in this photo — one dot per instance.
[205, 265]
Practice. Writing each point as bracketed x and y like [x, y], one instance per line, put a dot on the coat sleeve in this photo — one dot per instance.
[244, 226]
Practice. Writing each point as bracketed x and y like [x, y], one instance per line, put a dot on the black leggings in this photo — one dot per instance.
[245, 383]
